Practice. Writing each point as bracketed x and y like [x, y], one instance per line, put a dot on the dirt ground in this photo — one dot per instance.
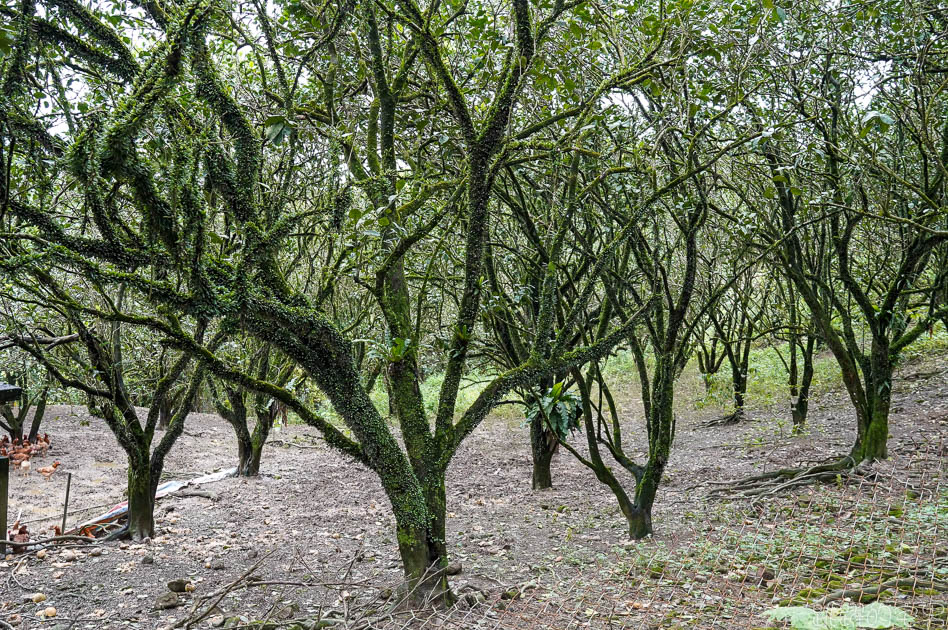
[320, 530]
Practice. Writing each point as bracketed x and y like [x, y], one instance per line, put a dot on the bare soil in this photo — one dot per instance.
[557, 559]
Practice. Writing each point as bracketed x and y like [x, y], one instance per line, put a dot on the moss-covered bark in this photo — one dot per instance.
[248, 456]
[141, 499]
[542, 447]
[801, 382]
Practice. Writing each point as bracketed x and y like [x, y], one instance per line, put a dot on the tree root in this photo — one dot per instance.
[784, 480]
[737, 417]
[120, 534]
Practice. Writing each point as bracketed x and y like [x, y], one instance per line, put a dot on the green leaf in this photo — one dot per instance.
[277, 128]
[875, 120]
[794, 614]
[879, 616]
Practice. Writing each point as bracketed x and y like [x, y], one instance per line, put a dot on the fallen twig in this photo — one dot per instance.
[296, 444]
[46, 541]
[220, 594]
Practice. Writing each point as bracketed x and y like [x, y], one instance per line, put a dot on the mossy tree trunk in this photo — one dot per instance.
[248, 461]
[249, 443]
[660, 425]
[801, 382]
[542, 447]
[872, 416]
[235, 403]
[660, 422]
[141, 498]
[418, 494]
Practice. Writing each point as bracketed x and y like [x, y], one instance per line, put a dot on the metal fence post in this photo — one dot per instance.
[8, 393]
[4, 486]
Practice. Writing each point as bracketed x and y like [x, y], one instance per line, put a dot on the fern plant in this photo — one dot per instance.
[560, 408]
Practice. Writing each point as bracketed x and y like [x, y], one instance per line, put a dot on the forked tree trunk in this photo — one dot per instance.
[661, 428]
[640, 520]
[423, 550]
[800, 391]
[636, 509]
[872, 408]
[248, 456]
[250, 445]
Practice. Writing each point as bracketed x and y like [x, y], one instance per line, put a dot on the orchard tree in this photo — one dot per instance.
[88, 356]
[737, 324]
[796, 327]
[33, 398]
[235, 404]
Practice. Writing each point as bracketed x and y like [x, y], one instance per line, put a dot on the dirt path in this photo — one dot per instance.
[325, 520]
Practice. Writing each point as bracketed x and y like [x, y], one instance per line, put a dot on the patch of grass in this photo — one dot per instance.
[795, 551]
[930, 343]
[767, 380]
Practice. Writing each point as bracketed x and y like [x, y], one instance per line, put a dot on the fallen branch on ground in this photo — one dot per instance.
[47, 541]
[861, 592]
[218, 596]
[296, 444]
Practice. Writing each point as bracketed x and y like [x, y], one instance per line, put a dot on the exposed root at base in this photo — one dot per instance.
[787, 479]
[119, 534]
[730, 419]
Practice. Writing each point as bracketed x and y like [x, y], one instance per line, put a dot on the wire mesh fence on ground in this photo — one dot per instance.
[884, 538]
[879, 537]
